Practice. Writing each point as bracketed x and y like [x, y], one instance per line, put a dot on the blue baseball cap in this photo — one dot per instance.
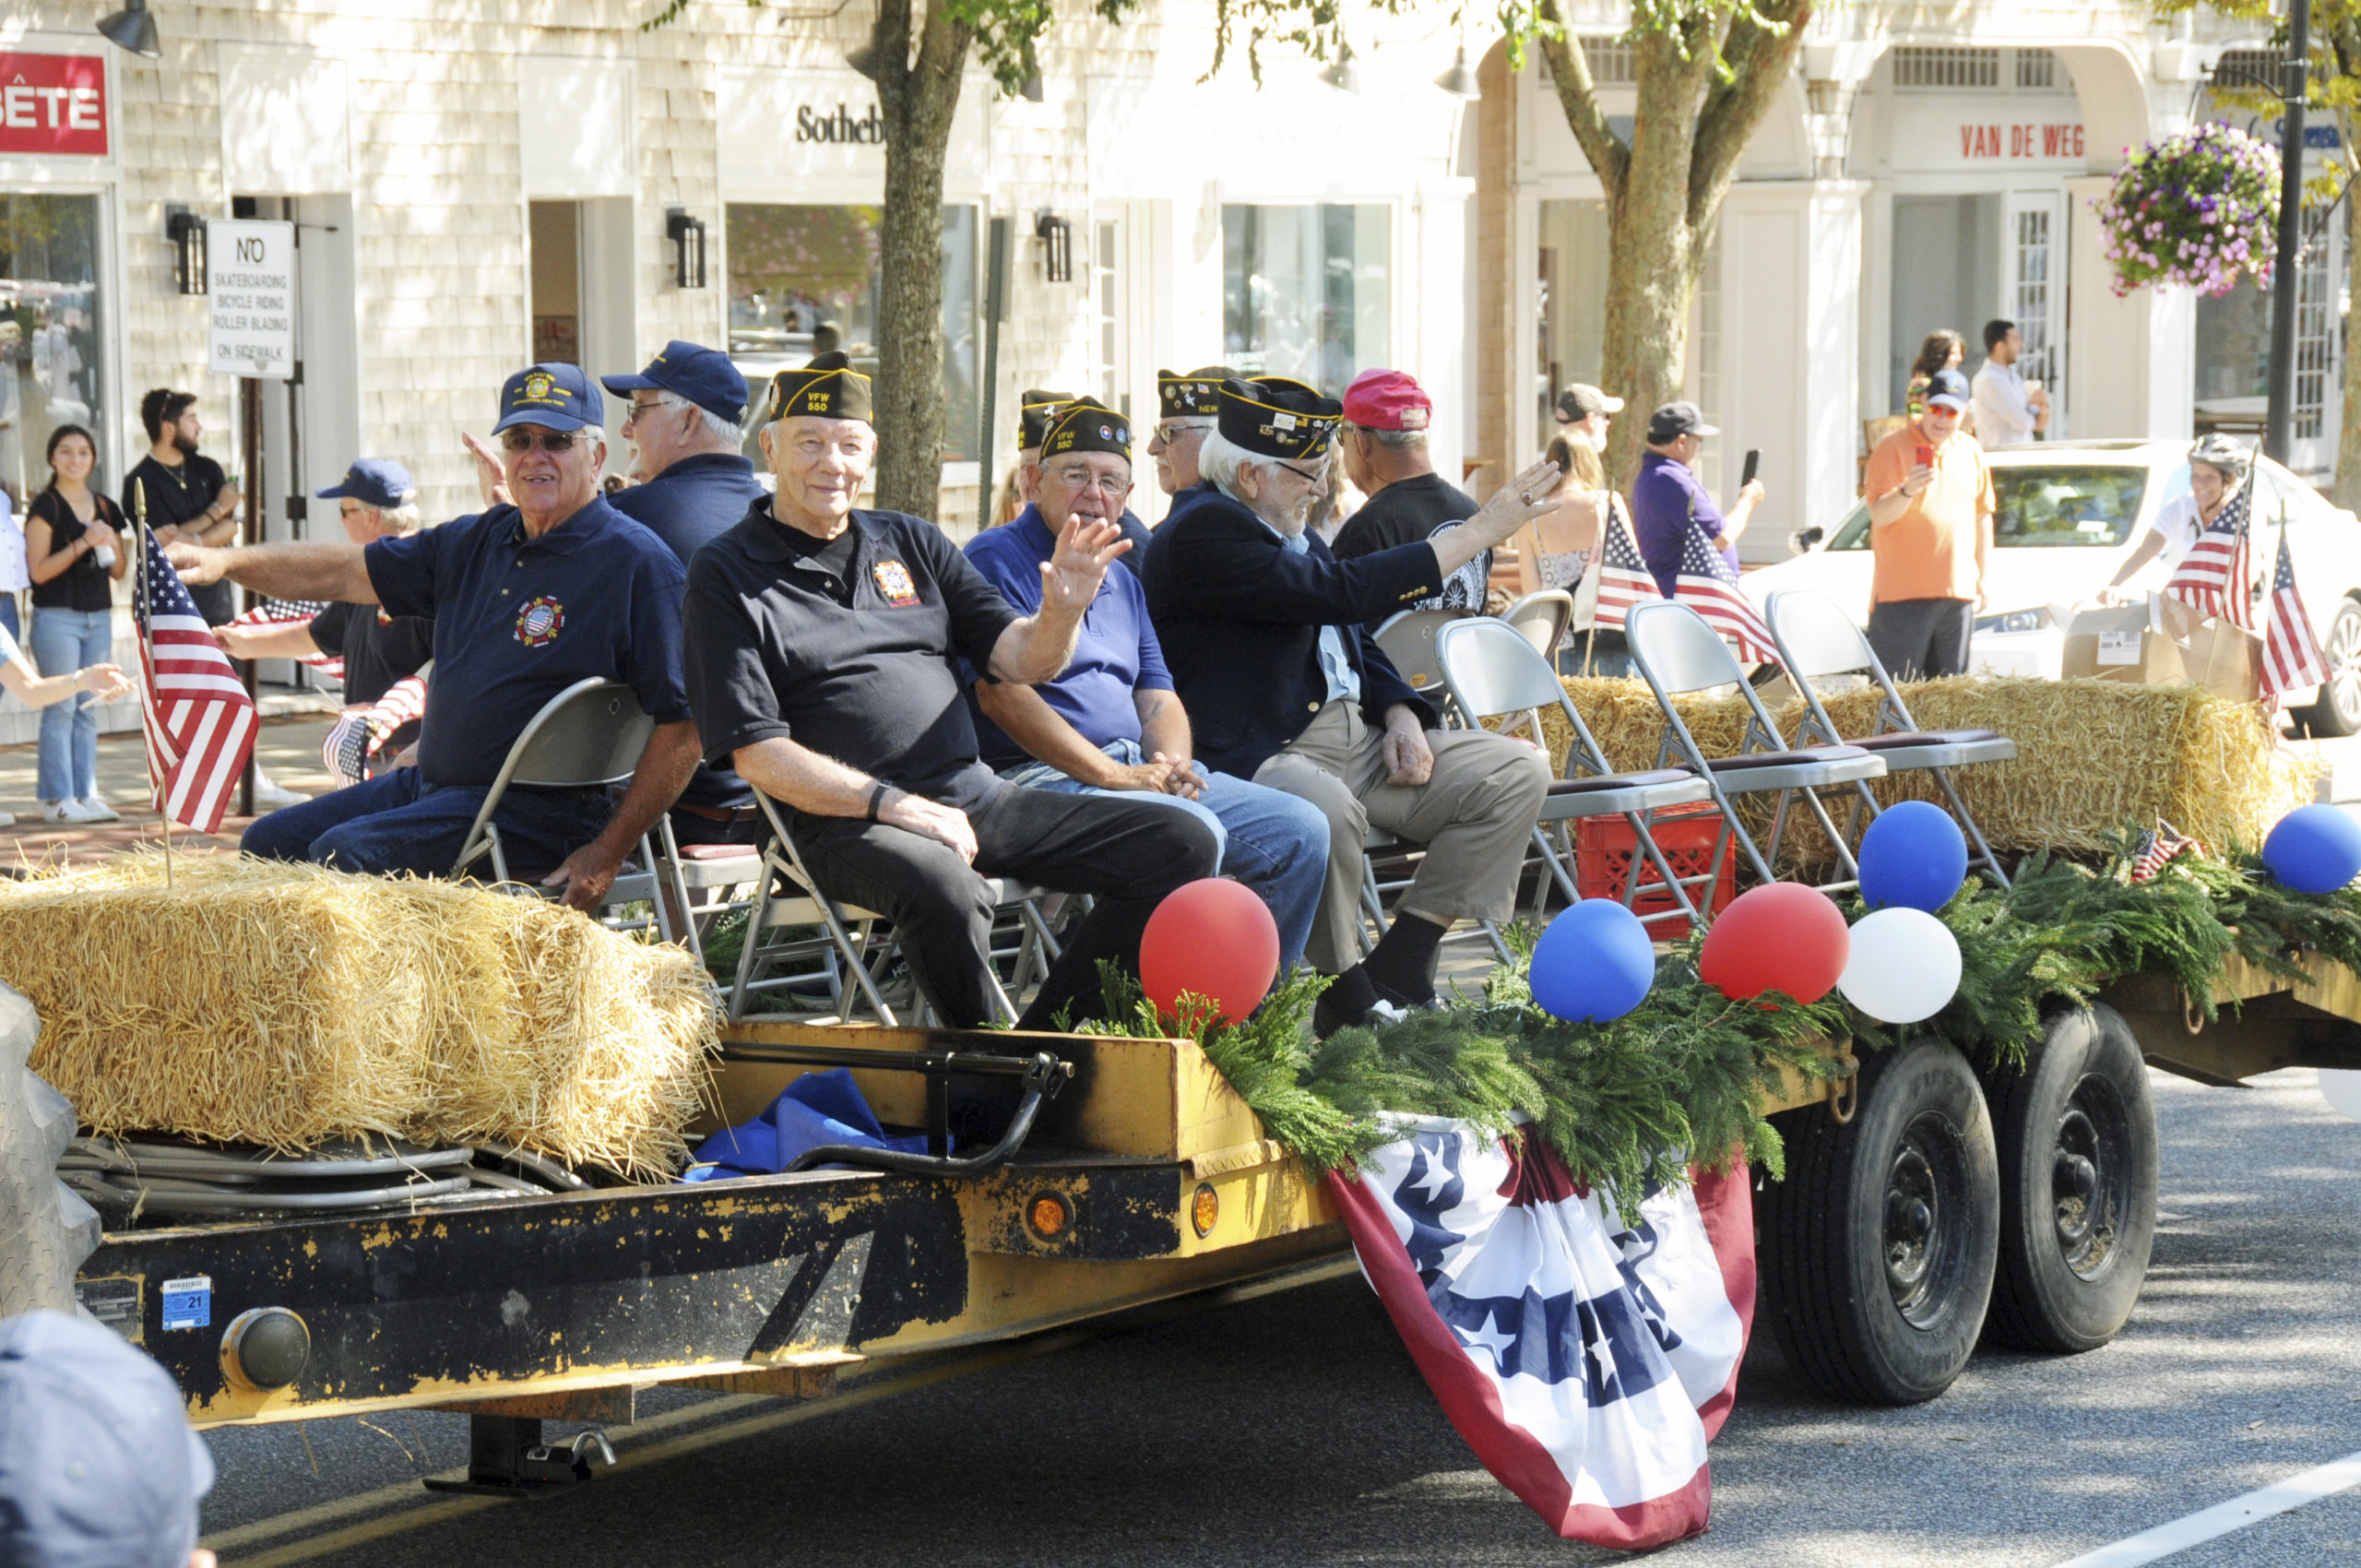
[98, 1464]
[555, 397]
[705, 376]
[1947, 390]
[374, 481]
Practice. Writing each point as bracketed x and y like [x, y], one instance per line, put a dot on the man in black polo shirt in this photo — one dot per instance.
[1383, 445]
[685, 428]
[823, 645]
[189, 500]
[527, 600]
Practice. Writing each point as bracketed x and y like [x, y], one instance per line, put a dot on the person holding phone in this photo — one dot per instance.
[1668, 500]
[1930, 513]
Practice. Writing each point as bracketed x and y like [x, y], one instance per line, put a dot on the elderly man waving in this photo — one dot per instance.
[824, 644]
[1261, 627]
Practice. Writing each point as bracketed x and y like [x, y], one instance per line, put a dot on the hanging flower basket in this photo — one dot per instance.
[2199, 209]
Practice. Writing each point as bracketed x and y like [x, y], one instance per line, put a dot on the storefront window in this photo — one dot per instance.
[805, 280]
[50, 363]
[1305, 291]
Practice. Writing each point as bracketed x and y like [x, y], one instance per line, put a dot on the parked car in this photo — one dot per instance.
[2068, 514]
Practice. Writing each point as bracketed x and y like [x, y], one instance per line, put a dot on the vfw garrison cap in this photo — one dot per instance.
[1087, 425]
[1195, 394]
[828, 387]
[1035, 411]
[1276, 418]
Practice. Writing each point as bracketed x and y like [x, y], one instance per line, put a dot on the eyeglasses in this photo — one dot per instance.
[1079, 480]
[520, 439]
[1318, 476]
[1168, 433]
[653, 405]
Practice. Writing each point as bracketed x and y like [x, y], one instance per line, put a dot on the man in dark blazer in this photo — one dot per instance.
[1260, 628]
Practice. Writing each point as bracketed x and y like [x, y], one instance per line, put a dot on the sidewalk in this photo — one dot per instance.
[287, 748]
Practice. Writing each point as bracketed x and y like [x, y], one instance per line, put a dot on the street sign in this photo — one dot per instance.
[250, 289]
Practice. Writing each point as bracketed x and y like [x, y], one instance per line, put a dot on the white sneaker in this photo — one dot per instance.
[99, 811]
[269, 794]
[65, 811]
[8, 819]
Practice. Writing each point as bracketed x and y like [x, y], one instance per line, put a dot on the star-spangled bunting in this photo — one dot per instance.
[2215, 576]
[198, 721]
[1705, 583]
[272, 613]
[2291, 649]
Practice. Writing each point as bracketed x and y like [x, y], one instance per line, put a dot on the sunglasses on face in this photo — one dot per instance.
[522, 439]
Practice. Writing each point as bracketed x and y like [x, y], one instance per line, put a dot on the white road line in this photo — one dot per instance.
[2148, 1546]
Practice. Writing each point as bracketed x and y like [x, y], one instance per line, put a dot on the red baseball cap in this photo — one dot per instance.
[1387, 399]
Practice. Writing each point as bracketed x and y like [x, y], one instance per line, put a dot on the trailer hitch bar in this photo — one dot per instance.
[1040, 1076]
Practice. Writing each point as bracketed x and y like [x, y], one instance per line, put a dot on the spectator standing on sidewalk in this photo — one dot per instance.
[1931, 516]
[13, 579]
[1668, 501]
[75, 553]
[1944, 350]
[2009, 411]
[1583, 413]
[190, 501]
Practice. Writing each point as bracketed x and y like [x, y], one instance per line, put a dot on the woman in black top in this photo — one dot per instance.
[75, 553]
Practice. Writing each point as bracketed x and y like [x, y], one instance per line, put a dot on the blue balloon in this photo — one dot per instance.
[1594, 963]
[1914, 857]
[2314, 849]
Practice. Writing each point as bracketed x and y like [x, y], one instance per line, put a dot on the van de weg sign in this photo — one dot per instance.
[250, 295]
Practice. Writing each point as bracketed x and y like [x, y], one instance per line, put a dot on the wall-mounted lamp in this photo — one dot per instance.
[132, 28]
[687, 235]
[1057, 246]
[1460, 81]
[185, 229]
[1343, 76]
[864, 61]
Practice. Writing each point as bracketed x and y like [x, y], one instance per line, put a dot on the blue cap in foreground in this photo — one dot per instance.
[555, 397]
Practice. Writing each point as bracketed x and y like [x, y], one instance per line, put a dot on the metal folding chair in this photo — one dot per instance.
[1818, 641]
[1408, 639]
[849, 948]
[1541, 619]
[589, 736]
[1493, 672]
[1676, 652]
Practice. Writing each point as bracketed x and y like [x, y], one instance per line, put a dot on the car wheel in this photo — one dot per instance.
[2339, 711]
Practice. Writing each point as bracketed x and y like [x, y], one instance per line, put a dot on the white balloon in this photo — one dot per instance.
[1904, 966]
[2342, 1092]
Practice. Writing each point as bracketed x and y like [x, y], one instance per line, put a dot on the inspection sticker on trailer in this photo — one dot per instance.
[188, 1303]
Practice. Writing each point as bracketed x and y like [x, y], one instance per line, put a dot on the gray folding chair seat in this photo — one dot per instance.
[1494, 673]
[1818, 641]
[1676, 652]
[589, 736]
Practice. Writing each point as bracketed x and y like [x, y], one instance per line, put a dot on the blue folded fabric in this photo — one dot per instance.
[817, 1109]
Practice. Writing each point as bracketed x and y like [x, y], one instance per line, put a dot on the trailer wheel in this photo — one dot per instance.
[2078, 1185]
[1878, 1249]
[45, 1230]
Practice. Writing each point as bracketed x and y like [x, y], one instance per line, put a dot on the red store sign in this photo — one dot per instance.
[1986, 143]
[54, 103]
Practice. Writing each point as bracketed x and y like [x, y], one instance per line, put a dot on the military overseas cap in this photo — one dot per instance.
[705, 376]
[1195, 395]
[1035, 411]
[1277, 418]
[1087, 425]
[555, 397]
[828, 387]
[98, 1465]
[374, 481]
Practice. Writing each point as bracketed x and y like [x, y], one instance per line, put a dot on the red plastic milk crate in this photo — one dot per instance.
[1606, 849]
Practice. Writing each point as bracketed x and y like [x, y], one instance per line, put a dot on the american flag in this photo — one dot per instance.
[2156, 849]
[2291, 649]
[2213, 578]
[198, 720]
[274, 612]
[1624, 580]
[355, 738]
[1705, 584]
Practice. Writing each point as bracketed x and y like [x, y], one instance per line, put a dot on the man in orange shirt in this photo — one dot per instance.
[1930, 514]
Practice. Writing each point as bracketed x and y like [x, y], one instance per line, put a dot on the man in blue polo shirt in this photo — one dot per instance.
[527, 599]
[1111, 723]
[685, 427]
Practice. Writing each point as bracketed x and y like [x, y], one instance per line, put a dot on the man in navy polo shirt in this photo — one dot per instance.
[822, 652]
[527, 599]
[685, 427]
[1111, 723]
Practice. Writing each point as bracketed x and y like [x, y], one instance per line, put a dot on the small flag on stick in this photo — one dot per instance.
[197, 718]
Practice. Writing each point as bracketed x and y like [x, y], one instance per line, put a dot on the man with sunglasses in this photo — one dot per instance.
[1111, 723]
[527, 599]
[1262, 629]
[1930, 527]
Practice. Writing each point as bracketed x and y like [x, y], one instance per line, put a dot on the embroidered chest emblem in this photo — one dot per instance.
[540, 622]
[894, 582]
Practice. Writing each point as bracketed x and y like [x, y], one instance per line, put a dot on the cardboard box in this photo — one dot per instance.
[2225, 660]
[2124, 643]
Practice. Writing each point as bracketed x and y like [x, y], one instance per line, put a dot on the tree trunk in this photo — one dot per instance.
[917, 102]
[2347, 489]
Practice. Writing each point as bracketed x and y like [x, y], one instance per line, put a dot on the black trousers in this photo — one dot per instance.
[1128, 855]
[1917, 640]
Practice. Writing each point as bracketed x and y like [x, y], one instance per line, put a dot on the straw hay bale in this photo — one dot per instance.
[282, 1006]
[2091, 756]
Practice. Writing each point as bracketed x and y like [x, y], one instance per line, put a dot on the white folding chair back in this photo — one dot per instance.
[1408, 639]
[1541, 619]
[1681, 652]
[1816, 639]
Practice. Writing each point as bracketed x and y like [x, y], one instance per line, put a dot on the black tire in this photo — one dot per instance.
[1878, 1249]
[45, 1230]
[2339, 711]
[2077, 1133]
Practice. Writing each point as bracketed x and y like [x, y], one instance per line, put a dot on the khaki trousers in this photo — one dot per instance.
[1474, 814]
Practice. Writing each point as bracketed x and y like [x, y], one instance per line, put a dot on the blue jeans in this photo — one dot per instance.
[64, 641]
[8, 614]
[397, 821]
[1270, 841]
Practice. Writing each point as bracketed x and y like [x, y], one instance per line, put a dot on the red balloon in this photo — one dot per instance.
[1781, 936]
[1215, 938]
